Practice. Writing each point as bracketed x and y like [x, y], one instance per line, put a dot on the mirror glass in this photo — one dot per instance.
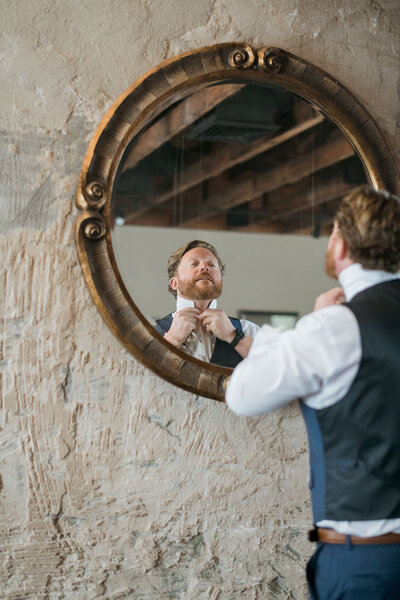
[249, 167]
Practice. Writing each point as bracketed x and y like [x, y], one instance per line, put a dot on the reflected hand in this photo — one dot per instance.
[330, 298]
[217, 322]
[183, 323]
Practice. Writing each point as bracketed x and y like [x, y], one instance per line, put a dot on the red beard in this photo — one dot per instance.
[194, 291]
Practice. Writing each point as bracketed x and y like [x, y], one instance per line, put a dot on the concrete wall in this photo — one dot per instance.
[115, 484]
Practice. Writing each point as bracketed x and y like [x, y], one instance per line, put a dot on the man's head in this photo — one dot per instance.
[366, 231]
[195, 271]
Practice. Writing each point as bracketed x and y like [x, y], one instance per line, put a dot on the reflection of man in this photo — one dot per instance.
[197, 326]
[343, 360]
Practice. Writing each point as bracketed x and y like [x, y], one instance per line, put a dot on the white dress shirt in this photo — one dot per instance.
[200, 343]
[317, 361]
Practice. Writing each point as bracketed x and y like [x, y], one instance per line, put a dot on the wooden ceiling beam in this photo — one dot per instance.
[153, 218]
[306, 194]
[230, 155]
[335, 150]
[282, 204]
[178, 119]
[321, 221]
[286, 202]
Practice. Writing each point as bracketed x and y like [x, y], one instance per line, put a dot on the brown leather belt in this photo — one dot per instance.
[330, 536]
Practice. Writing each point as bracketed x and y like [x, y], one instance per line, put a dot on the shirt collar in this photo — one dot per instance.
[355, 279]
[185, 303]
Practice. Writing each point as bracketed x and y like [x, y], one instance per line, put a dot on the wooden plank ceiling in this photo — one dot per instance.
[238, 157]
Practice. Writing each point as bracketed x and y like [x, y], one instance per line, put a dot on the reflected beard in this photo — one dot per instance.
[188, 289]
[330, 264]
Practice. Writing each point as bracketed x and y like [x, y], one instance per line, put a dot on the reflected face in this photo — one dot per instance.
[199, 276]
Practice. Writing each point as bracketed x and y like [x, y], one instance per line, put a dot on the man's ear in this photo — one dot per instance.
[173, 282]
[340, 244]
[341, 248]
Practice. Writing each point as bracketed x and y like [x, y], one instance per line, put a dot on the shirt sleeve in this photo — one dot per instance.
[317, 361]
[249, 328]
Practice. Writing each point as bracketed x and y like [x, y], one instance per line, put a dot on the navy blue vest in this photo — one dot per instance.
[355, 444]
[223, 354]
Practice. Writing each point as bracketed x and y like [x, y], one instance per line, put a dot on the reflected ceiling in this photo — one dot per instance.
[237, 157]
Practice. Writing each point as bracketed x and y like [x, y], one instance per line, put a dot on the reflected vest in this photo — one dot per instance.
[223, 354]
[355, 444]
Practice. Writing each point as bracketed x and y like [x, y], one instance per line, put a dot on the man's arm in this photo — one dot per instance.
[285, 365]
[217, 322]
[243, 346]
[250, 331]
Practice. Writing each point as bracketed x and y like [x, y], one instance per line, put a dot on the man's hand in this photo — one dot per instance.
[183, 323]
[329, 298]
[217, 322]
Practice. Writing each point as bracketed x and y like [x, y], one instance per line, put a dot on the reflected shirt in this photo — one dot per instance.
[317, 361]
[200, 343]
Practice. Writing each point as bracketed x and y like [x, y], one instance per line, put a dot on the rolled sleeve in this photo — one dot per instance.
[249, 328]
[317, 360]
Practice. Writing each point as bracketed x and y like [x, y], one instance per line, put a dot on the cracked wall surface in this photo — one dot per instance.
[113, 483]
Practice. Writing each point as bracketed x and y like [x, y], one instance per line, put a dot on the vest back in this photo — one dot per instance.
[355, 444]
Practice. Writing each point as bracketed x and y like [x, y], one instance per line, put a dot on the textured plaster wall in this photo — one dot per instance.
[114, 484]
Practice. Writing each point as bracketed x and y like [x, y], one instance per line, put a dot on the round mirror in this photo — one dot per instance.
[248, 151]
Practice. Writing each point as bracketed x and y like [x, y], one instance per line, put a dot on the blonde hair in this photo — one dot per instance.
[176, 257]
[369, 222]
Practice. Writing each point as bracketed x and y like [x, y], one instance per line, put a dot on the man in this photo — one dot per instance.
[343, 361]
[197, 326]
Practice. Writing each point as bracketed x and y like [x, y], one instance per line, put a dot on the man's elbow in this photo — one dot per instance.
[242, 405]
[235, 405]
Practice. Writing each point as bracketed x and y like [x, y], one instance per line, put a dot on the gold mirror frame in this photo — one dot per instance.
[134, 109]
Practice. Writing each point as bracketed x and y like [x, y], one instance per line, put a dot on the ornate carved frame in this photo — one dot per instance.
[134, 109]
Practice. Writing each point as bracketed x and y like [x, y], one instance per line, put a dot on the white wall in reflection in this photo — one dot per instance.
[264, 272]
